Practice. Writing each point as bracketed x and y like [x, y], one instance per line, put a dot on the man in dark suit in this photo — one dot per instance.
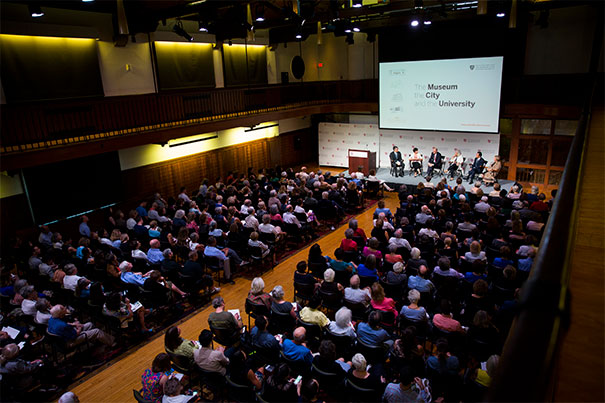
[396, 160]
[477, 167]
[435, 161]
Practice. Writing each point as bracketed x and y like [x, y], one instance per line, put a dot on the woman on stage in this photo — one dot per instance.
[492, 170]
[416, 162]
[455, 162]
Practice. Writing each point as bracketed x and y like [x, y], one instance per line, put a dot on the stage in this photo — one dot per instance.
[384, 175]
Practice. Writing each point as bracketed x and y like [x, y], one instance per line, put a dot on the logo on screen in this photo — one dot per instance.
[472, 67]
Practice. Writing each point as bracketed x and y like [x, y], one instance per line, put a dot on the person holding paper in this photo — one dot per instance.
[224, 320]
[123, 310]
[208, 359]
[175, 344]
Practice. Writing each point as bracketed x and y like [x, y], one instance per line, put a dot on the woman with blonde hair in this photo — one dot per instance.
[380, 301]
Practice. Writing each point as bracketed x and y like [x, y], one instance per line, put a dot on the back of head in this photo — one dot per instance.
[217, 302]
[172, 387]
[68, 397]
[261, 322]
[299, 335]
[172, 339]
[301, 266]
[205, 338]
[161, 363]
[374, 319]
[359, 362]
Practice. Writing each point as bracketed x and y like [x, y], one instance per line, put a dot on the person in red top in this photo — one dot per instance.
[348, 244]
[539, 205]
[357, 231]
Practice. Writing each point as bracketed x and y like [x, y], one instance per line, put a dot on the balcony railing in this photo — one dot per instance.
[45, 124]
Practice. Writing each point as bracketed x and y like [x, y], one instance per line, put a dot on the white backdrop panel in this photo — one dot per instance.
[335, 139]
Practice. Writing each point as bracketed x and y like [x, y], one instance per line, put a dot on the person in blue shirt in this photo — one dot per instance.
[382, 209]
[526, 264]
[296, 349]
[478, 272]
[129, 277]
[84, 229]
[74, 332]
[142, 209]
[371, 333]
[503, 260]
[154, 254]
[368, 269]
[420, 282]
[262, 338]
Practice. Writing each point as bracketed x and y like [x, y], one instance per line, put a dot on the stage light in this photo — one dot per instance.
[357, 3]
[87, 1]
[427, 22]
[35, 11]
[500, 15]
[414, 23]
[348, 31]
[260, 14]
[298, 36]
[356, 29]
[178, 29]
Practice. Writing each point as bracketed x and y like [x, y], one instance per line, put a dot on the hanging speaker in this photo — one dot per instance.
[298, 67]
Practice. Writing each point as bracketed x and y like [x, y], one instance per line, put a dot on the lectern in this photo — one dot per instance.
[362, 158]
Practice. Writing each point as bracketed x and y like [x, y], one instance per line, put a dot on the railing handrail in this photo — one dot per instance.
[526, 364]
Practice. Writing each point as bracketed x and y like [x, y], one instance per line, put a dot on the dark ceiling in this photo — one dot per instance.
[285, 19]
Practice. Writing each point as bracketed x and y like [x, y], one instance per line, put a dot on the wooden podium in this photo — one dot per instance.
[362, 158]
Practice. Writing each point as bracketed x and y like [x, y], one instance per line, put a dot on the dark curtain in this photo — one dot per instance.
[237, 72]
[42, 68]
[182, 65]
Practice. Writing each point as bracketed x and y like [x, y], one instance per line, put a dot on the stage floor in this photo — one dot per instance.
[384, 175]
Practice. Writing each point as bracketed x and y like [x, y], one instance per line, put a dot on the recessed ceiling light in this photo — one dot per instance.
[414, 23]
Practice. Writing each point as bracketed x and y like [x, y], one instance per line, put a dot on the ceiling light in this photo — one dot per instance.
[427, 22]
[414, 23]
[356, 29]
[357, 3]
[35, 11]
[87, 1]
[298, 36]
[500, 15]
[348, 31]
[202, 27]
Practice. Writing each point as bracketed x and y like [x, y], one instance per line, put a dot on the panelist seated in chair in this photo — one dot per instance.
[396, 160]
[492, 170]
[416, 162]
[455, 163]
[435, 162]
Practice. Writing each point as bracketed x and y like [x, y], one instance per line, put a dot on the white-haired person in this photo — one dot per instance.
[413, 312]
[415, 260]
[279, 304]
[361, 377]
[328, 285]
[257, 294]
[342, 325]
[397, 276]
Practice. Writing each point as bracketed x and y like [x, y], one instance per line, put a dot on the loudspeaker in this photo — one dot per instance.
[285, 77]
[298, 67]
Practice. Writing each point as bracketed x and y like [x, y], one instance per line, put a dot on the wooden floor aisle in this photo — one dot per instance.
[580, 375]
[116, 382]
